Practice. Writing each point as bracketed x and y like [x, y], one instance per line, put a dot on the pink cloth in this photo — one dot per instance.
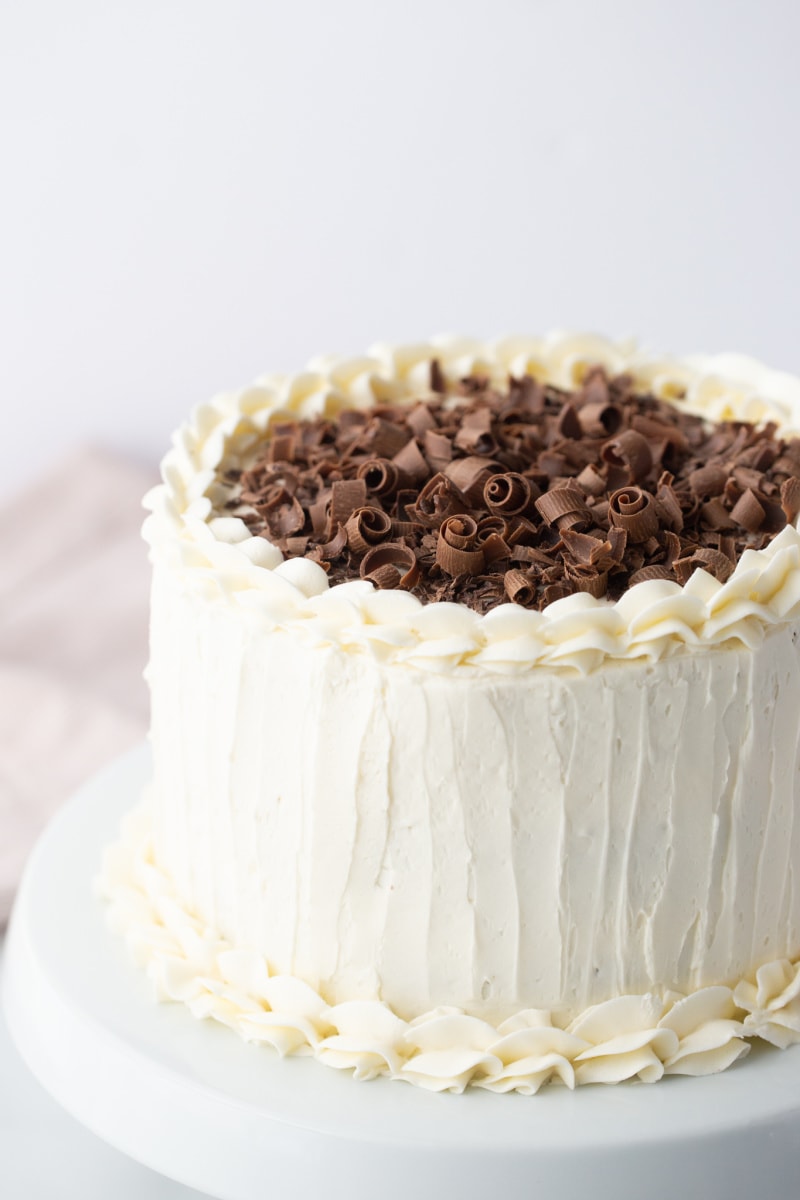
[73, 640]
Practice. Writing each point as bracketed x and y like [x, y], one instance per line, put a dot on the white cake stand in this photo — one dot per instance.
[191, 1100]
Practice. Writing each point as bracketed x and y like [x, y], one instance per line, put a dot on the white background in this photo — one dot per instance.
[193, 192]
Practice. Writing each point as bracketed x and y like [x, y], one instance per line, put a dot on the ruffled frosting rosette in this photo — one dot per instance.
[218, 556]
[643, 1037]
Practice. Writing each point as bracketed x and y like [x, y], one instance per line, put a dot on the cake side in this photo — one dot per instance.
[494, 843]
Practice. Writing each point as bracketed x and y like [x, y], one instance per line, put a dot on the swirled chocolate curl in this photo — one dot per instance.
[525, 493]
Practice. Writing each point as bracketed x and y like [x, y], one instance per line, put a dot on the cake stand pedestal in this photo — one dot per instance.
[191, 1100]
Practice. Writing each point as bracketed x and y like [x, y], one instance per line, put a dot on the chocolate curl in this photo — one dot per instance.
[726, 544]
[494, 547]
[346, 496]
[438, 500]
[437, 377]
[281, 448]
[634, 511]
[747, 477]
[351, 422]
[489, 525]
[390, 566]
[520, 588]
[672, 546]
[586, 579]
[520, 529]
[748, 511]
[553, 463]
[381, 476]
[470, 476]
[383, 439]
[419, 419]
[713, 561]
[654, 571]
[660, 431]
[532, 554]
[405, 528]
[568, 424]
[564, 507]
[631, 450]
[708, 481]
[366, 527]
[457, 551]
[600, 418]
[411, 463]
[618, 540]
[790, 498]
[556, 591]
[583, 548]
[668, 507]
[257, 481]
[294, 546]
[438, 449]
[334, 547]
[591, 481]
[283, 512]
[716, 516]
[475, 435]
[760, 457]
[507, 495]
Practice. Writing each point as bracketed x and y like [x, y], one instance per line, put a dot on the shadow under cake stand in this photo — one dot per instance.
[191, 1100]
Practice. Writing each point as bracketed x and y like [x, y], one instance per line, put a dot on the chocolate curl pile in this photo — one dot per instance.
[529, 493]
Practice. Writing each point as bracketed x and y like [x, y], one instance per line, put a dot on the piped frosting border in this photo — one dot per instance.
[219, 557]
[644, 1037]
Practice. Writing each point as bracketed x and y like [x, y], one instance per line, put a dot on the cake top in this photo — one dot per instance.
[524, 492]
[219, 557]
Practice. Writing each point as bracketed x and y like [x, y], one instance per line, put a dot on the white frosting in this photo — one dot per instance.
[645, 1036]
[490, 841]
[218, 556]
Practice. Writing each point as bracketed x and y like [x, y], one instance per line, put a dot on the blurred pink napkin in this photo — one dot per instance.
[74, 586]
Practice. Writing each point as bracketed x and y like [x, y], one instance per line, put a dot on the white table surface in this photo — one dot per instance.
[46, 1155]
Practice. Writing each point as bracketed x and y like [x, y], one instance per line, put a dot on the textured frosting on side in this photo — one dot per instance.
[645, 1036]
[489, 841]
[218, 556]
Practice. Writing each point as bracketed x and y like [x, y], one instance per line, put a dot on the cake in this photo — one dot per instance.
[475, 680]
